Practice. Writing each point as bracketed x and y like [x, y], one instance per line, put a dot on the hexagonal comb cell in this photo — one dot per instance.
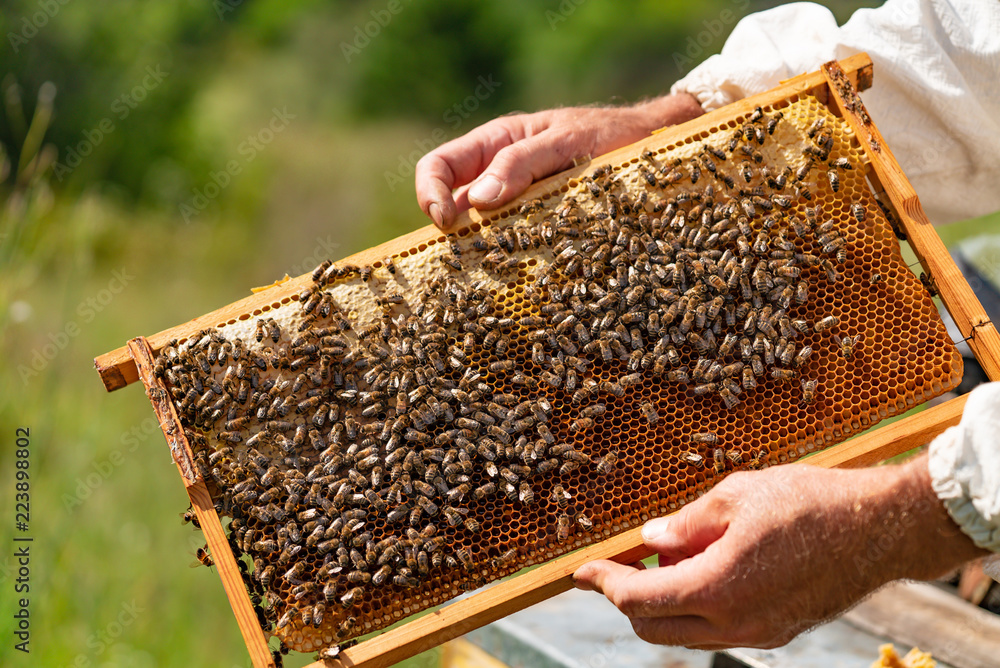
[406, 431]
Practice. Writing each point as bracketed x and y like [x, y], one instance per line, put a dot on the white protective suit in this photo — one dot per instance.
[936, 99]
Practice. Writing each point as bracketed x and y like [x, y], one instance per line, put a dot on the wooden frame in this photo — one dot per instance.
[836, 85]
[201, 501]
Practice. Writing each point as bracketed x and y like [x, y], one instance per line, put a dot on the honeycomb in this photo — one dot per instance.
[408, 430]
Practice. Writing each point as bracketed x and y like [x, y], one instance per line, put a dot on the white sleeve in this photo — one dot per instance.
[936, 92]
[964, 465]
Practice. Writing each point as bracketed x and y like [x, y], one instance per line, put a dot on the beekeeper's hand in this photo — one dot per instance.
[496, 162]
[768, 554]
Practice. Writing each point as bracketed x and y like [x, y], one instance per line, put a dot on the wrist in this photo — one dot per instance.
[930, 544]
[668, 110]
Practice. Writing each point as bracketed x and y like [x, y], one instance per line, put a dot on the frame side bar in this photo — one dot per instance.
[201, 501]
[166, 413]
[955, 292]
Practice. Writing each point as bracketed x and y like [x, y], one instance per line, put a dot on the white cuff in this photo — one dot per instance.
[965, 468]
[991, 566]
[763, 49]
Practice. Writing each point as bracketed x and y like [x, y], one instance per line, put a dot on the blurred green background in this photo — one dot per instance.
[159, 159]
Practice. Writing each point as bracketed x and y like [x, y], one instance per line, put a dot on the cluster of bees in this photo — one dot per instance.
[351, 458]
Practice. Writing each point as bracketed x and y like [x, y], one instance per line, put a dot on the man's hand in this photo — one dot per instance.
[496, 162]
[766, 555]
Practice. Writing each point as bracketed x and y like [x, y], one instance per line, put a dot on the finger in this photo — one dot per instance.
[461, 197]
[434, 184]
[689, 631]
[687, 532]
[522, 163]
[650, 592]
[457, 163]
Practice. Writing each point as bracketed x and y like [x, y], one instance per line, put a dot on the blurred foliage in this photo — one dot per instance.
[159, 158]
[220, 63]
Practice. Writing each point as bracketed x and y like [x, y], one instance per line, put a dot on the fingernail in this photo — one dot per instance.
[486, 189]
[434, 211]
[653, 529]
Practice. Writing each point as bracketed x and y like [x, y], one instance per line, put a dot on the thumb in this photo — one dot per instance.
[686, 533]
[517, 166]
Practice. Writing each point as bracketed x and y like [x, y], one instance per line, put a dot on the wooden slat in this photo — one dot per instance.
[229, 573]
[892, 439]
[555, 577]
[955, 292]
[117, 370]
[201, 501]
[180, 450]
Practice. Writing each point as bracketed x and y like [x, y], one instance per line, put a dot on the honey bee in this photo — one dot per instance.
[928, 284]
[846, 345]
[705, 388]
[858, 211]
[592, 411]
[345, 629]
[203, 557]
[692, 458]
[382, 575]
[808, 390]
[526, 495]
[816, 127]
[705, 438]
[563, 525]
[649, 413]
[827, 323]
[715, 151]
[719, 460]
[584, 522]
[320, 270]
[802, 356]
[801, 292]
[191, 516]
[464, 557]
[273, 329]
[784, 374]
[803, 171]
[772, 122]
[606, 464]
[735, 456]
[287, 618]
[834, 180]
[560, 496]
[501, 366]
